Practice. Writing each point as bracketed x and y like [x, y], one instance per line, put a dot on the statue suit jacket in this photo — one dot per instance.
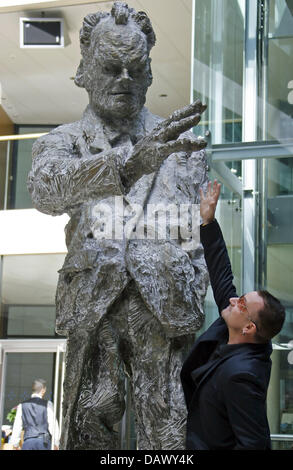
[225, 386]
[171, 280]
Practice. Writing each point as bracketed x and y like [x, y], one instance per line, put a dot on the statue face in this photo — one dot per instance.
[119, 74]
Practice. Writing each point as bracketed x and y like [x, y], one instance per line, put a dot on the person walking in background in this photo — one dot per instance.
[226, 375]
[36, 417]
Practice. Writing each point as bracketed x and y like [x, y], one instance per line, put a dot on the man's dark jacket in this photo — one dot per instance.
[225, 386]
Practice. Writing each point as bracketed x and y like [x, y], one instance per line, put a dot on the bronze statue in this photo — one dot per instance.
[127, 304]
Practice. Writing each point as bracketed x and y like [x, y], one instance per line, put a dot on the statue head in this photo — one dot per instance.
[115, 67]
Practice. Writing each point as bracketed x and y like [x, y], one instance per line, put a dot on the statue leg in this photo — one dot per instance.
[77, 344]
[157, 394]
[99, 403]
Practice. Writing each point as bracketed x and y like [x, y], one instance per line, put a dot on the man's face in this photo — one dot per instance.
[119, 74]
[243, 310]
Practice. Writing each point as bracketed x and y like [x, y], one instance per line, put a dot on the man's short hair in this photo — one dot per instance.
[38, 385]
[271, 318]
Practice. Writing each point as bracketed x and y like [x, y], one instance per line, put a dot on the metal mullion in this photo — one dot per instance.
[62, 390]
[251, 151]
[282, 437]
[3, 363]
[56, 384]
[216, 68]
[7, 175]
[249, 134]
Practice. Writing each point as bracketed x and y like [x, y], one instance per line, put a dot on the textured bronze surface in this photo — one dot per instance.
[128, 305]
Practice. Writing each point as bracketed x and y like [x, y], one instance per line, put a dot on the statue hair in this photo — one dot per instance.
[121, 14]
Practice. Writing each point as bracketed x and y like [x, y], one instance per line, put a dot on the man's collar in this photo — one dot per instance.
[36, 395]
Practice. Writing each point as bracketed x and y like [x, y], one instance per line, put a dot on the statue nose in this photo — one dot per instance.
[125, 75]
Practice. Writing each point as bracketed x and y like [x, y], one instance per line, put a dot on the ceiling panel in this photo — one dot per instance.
[37, 85]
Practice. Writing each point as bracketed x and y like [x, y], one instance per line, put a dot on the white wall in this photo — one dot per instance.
[28, 231]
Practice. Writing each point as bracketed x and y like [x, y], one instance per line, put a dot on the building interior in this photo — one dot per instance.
[235, 56]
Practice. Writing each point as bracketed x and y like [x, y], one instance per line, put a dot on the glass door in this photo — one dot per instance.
[21, 362]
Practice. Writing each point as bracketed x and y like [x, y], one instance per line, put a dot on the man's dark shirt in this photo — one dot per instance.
[225, 385]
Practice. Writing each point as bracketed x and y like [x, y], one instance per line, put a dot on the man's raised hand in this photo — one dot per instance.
[208, 201]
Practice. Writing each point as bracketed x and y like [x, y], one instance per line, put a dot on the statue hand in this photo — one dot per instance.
[164, 139]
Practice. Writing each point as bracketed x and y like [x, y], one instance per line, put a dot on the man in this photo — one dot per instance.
[36, 417]
[128, 305]
[226, 375]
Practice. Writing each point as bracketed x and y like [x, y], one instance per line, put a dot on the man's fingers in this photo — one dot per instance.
[216, 188]
[208, 193]
[201, 194]
[212, 192]
[174, 129]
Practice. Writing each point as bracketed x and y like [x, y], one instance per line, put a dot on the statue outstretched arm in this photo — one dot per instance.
[65, 173]
[151, 151]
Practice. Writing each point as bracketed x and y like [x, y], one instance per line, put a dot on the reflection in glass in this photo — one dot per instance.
[30, 320]
[279, 254]
[280, 89]
[21, 370]
[281, 18]
[218, 67]
[21, 165]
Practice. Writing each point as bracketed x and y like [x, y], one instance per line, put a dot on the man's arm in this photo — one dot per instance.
[215, 251]
[17, 428]
[53, 427]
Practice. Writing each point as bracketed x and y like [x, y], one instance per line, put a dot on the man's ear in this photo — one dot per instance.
[249, 328]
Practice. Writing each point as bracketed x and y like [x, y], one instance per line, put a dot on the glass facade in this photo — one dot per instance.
[279, 277]
[22, 361]
[21, 370]
[19, 197]
[243, 70]
[278, 73]
[218, 67]
[28, 342]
